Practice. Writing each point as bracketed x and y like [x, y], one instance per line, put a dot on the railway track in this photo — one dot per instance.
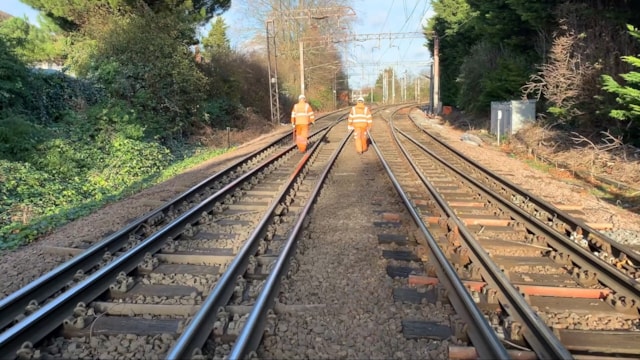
[566, 222]
[160, 264]
[202, 277]
[360, 239]
[557, 295]
[203, 284]
[87, 260]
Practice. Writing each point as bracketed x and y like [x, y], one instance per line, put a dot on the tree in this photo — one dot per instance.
[499, 23]
[291, 22]
[452, 23]
[150, 69]
[13, 79]
[628, 93]
[216, 40]
[30, 43]
[537, 14]
[73, 14]
[561, 81]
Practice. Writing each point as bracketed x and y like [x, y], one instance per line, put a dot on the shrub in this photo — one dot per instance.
[13, 79]
[56, 96]
[220, 113]
[129, 161]
[149, 69]
[27, 194]
[627, 91]
[19, 137]
[66, 158]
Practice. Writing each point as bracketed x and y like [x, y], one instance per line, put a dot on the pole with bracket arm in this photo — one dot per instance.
[301, 13]
[436, 74]
[273, 73]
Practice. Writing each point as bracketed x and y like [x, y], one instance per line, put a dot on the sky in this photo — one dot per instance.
[372, 17]
[389, 17]
[16, 8]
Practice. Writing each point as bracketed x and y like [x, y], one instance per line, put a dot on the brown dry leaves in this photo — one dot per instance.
[620, 163]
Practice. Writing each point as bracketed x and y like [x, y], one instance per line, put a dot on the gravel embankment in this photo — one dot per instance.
[550, 186]
[342, 269]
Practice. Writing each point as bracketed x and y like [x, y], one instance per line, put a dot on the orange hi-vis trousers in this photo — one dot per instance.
[360, 135]
[302, 135]
[360, 120]
[301, 116]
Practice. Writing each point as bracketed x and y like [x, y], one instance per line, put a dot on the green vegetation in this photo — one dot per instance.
[216, 41]
[575, 57]
[33, 44]
[133, 113]
[33, 202]
[538, 165]
[73, 15]
[628, 96]
[140, 92]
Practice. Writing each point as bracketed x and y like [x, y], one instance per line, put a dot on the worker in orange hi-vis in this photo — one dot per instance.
[360, 121]
[301, 117]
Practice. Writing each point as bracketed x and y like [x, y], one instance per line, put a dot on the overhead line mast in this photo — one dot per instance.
[435, 76]
[295, 14]
[323, 13]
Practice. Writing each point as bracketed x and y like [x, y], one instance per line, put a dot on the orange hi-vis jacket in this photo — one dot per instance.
[302, 114]
[360, 116]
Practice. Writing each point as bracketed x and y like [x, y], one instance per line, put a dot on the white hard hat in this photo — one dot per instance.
[301, 97]
[361, 99]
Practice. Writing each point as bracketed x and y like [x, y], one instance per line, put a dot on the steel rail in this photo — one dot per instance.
[48, 284]
[44, 320]
[484, 338]
[196, 333]
[545, 206]
[251, 335]
[539, 336]
[607, 274]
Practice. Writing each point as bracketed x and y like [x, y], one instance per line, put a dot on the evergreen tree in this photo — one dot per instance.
[497, 22]
[73, 14]
[31, 44]
[628, 94]
[457, 37]
[13, 79]
[138, 61]
[216, 40]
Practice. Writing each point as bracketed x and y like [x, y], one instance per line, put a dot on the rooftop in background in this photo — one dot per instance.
[4, 16]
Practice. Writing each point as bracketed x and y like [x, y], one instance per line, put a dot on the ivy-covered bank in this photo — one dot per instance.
[34, 201]
[136, 102]
[66, 149]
